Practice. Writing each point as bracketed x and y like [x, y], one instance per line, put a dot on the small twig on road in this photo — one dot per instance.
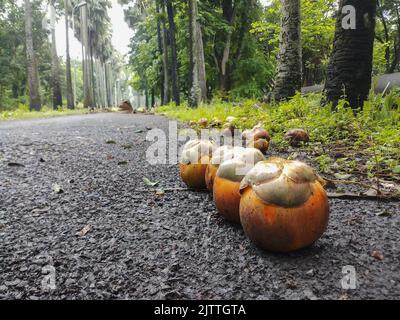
[361, 184]
[363, 196]
[156, 190]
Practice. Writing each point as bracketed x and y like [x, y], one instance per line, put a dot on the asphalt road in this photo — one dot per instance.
[78, 222]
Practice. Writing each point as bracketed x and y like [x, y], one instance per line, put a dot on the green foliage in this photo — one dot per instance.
[13, 56]
[23, 112]
[318, 26]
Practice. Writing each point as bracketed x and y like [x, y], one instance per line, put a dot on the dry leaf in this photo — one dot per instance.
[84, 231]
[149, 183]
[377, 255]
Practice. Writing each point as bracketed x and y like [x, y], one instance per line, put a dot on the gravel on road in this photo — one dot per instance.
[78, 222]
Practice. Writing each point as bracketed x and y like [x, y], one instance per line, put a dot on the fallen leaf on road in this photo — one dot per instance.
[84, 231]
[122, 163]
[57, 188]
[384, 213]
[377, 255]
[127, 146]
[149, 183]
[42, 210]
[110, 142]
[160, 192]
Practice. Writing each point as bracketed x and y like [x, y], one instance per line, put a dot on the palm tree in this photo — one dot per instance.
[350, 66]
[55, 62]
[33, 76]
[164, 37]
[70, 92]
[288, 79]
[198, 92]
[161, 52]
[174, 59]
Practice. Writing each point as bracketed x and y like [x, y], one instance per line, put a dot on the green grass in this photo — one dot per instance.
[23, 113]
[366, 141]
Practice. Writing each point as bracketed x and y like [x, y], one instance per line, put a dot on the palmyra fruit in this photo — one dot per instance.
[284, 206]
[226, 188]
[258, 138]
[220, 155]
[203, 123]
[196, 156]
[297, 136]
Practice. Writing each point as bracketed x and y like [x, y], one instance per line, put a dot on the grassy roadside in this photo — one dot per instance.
[23, 113]
[342, 143]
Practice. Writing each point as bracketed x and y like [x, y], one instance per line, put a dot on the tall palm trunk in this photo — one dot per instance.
[198, 92]
[222, 58]
[174, 58]
[55, 62]
[350, 66]
[288, 79]
[167, 97]
[160, 49]
[87, 74]
[70, 92]
[33, 75]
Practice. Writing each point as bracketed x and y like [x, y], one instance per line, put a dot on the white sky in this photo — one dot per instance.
[120, 40]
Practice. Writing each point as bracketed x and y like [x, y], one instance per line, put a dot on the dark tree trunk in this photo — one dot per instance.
[92, 75]
[350, 67]
[288, 80]
[33, 76]
[146, 93]
[167, 97]
[70, 92]
[153, 98]
[107, 82]
[160, 50]
[174, 58]
[229, 14]
[191, 61]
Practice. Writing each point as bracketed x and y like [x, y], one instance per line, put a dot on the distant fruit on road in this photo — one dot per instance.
[196, 156]
[284, 206]
[126, 107]
[226, 188]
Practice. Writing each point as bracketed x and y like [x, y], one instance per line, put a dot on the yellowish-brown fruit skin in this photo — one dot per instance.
[280, 229]
[227, 198]
[194, 175]
[211, 173]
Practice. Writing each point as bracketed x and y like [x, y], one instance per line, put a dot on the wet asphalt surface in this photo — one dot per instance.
[58, 176]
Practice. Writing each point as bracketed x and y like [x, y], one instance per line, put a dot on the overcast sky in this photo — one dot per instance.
[121, 33]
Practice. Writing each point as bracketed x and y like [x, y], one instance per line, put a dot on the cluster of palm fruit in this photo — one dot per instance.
[281, 204]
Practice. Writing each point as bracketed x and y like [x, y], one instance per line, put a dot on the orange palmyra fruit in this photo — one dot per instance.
[227, 182]
[196, 156]
[284, 206]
